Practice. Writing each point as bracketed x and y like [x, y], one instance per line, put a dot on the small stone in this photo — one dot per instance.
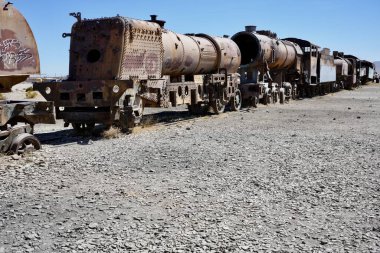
[15, 157]
[93, 225]
[29, 236]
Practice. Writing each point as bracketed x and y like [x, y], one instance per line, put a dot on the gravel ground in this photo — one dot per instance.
[299, 177]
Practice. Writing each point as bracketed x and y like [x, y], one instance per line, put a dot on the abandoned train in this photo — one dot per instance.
[120, 65]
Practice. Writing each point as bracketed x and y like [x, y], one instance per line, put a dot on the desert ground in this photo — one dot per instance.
[298, 177]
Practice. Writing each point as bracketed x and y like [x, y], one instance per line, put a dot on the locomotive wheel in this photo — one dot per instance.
[24, 143]
[294, 93]
[274, 97]
[217, 106]
[83, 127]
[282, 96]
[254, 101]
[236, 101]
[267, 99]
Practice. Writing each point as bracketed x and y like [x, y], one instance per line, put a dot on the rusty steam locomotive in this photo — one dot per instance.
[120, 65]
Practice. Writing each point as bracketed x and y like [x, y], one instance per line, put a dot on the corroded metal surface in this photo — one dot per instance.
[83, 93]
[31, 112]
[97, 97]
[198, 54]
[259, 49]
[18, 50]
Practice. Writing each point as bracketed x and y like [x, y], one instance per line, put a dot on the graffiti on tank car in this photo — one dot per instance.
[12, 54]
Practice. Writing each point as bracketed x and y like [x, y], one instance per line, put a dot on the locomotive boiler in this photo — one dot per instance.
[270, 65]
[120, 65]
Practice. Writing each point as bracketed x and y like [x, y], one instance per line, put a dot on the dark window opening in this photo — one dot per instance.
[189, 78]
[64, 96]
[97, 95]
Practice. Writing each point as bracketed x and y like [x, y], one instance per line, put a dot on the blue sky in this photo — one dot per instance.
[346, 25]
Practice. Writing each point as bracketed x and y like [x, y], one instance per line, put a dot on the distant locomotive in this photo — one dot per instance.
[269, 67]
[275, 68]
[120, 65]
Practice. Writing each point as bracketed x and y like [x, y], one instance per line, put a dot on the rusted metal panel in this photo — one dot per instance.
[18, 50]
[143, 50]
[229, 55]
[183, 56]
[115, 48]
[96, 55]
[31, 112]
[100, 93]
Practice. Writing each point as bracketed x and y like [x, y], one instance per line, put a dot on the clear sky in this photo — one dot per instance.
[351, 26]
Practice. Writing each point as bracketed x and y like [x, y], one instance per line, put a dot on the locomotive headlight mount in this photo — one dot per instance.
[115, 89]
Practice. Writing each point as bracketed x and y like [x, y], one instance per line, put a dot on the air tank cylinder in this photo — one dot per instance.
[198, 54]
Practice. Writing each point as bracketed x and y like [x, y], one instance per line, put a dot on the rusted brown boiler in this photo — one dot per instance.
[120, 65]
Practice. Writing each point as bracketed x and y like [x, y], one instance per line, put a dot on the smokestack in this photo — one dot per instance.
[250, 28]
[153, 18]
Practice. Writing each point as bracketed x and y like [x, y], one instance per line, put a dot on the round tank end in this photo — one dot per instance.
[249, 46]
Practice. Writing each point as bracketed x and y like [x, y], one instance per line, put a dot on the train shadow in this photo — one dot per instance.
[69, 136]
[168, 117]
